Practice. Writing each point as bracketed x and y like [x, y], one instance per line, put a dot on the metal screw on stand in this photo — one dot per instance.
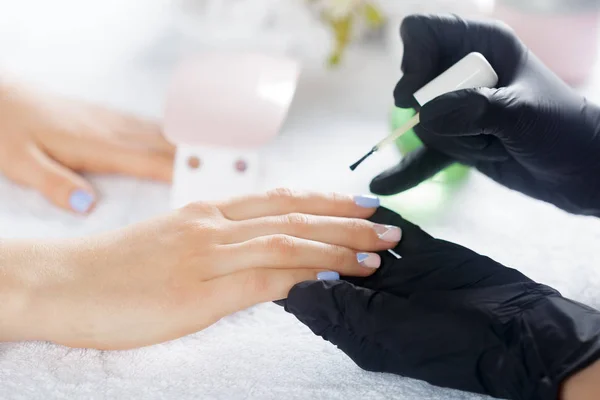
[194, 162]
[241, 166]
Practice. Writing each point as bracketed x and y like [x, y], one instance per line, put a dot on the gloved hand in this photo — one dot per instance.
[453, 318]
[533, 133]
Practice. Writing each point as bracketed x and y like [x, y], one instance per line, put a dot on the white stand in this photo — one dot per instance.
[213, 174]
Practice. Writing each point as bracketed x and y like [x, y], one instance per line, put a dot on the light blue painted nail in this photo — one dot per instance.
[81, 201]
[369, 260]
[328, 276]
[367, 201]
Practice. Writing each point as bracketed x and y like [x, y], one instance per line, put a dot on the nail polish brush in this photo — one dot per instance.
[472, 71]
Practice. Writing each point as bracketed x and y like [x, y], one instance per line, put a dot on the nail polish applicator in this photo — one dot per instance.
[472, 71]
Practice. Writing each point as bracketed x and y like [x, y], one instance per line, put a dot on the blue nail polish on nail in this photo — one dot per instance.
[328, 276]
[367, 201]
[362, 257]
[81, 201]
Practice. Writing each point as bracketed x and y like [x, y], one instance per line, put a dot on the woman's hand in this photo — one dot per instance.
[177, 274]
[46, 141]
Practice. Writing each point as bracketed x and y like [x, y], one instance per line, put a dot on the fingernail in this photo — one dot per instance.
[369, 260]
[388, 233]
[328, 276]
[367, 201]
[81, 201]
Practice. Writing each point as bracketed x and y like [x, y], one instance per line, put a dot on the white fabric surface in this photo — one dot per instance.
[261, 353]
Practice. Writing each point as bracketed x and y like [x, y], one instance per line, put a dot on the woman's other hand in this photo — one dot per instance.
[46, 141]
[177, 274]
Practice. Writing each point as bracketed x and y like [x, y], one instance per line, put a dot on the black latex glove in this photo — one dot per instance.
[533, 134]
[453, 318]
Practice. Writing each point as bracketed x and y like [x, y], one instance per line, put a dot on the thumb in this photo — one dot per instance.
[407, 86]
[415, 167]
[58, 184]
[351, 317]
[467, 112]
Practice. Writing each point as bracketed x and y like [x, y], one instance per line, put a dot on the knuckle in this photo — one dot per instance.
[297, 221]
[504, 28]
[196, 232]
[411, 23]
[281, 194]
[505, 37]
[201, 208]
[282, 245]
[256, 281]
[203, 231]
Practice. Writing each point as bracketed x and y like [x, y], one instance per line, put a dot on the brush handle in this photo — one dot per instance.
[411, 123]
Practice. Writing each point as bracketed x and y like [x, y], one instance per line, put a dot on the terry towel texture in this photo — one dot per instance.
[264, 353]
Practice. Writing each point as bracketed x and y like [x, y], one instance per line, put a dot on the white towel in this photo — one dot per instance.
[264, 353]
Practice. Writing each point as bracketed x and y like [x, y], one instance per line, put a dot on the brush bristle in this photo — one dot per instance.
[360, 161]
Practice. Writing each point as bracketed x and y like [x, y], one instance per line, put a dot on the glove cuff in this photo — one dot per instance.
[560, 337]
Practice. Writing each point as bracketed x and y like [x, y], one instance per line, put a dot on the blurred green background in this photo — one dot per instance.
[427, 199]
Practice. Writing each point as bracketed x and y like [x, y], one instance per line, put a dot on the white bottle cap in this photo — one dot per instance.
[473, 71]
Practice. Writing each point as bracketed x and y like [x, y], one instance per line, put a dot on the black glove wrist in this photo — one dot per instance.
[564, 342]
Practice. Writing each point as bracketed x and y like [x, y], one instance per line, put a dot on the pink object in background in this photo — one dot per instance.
[563, 34]
[221, 109]
[228, 99]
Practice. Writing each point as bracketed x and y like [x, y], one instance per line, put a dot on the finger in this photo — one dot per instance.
[58, 184]
[149, 134]
[323, 304]
[435, 42]
[470, 112]
[480, 148]
[385, 333]
[443, 267]
[357, 234]
[412, 235]
[117, 158]
[430, 264]
[352, 318]
[140, 131]
[422, 59]
[465, 149]
[407, 86]
[288, 252]
[243, 289]
[416, 167]
[285, 201]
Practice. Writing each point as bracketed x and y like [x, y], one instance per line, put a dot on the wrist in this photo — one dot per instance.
[584, 385]
[27, 269]
[15, 293]
[563, 338]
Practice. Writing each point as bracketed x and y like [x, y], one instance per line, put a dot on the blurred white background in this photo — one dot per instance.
[122, 52]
